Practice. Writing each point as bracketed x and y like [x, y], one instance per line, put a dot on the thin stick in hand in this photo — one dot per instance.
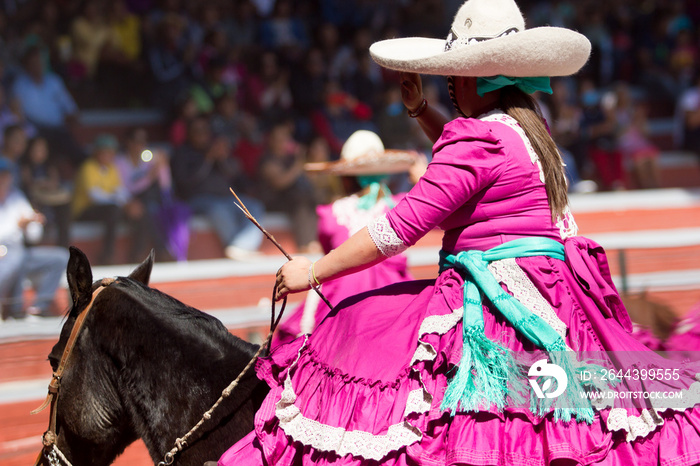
[250, 217]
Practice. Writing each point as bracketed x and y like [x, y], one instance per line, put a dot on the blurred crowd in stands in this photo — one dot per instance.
[252, 89]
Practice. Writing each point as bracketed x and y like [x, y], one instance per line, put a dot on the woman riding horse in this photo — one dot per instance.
[430, 372]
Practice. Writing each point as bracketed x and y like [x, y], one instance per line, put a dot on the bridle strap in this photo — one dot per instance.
[75, 332]
[49, 437]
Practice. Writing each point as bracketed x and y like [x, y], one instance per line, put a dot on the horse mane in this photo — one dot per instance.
[175, 314]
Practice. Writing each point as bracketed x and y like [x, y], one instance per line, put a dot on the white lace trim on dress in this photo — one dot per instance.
[438, 325]
[348, 215]
[328, 438]
[508, 272]
[424, 352]
[356, 442]
[566, 224]
[385, 238]
[635, 426]
[649, 419]
[502, 117]
[366, 445]
[418, 401]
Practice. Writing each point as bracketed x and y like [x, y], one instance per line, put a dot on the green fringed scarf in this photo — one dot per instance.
[488, 374]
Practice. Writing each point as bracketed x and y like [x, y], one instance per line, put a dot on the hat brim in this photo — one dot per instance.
[543, 51]
[391, 162]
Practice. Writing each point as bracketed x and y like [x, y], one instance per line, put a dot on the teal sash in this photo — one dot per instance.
[487, 373]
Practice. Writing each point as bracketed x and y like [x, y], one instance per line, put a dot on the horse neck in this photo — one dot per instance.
[173, 370]
[179, 393]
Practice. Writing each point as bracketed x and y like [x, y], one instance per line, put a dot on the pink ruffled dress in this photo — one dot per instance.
[646, 336]
[336, 223]
[684, 340]
[367, 386]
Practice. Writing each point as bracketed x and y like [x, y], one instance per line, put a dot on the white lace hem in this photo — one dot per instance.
[328, 438]
[635, 426]
[385, 238]
[649, 419]
[366, 445]
[356, 442]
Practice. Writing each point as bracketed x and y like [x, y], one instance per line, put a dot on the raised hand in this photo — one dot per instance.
[411, 90]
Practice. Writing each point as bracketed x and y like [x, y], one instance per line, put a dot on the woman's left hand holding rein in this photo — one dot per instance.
[293, 277]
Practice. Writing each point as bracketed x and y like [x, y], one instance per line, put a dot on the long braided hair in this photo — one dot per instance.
[453, 97]
[524, 109]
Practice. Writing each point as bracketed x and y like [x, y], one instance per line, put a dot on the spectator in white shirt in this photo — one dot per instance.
[19, 260]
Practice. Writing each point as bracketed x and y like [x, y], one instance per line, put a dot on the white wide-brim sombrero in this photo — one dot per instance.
[488, 38]
[363, 154]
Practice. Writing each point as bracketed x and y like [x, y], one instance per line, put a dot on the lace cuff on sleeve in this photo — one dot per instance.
[385, 237]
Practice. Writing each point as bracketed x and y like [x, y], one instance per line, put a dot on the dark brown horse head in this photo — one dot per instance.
[91, 424]
[145, 366]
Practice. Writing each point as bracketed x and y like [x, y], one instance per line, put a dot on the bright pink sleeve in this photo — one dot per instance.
[467, 158]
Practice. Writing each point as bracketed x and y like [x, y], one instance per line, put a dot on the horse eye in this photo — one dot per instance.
[53, 360]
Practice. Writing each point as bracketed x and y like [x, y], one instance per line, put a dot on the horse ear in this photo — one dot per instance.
[142, 273]
[79, 275]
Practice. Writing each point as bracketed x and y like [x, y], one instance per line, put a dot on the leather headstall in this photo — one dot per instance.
[49, 438]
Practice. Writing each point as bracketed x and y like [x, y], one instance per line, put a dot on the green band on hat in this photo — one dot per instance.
[527, 85]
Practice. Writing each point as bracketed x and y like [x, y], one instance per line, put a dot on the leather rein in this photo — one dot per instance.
[50, 450]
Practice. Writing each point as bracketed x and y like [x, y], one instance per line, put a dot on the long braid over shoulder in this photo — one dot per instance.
[526, 112]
